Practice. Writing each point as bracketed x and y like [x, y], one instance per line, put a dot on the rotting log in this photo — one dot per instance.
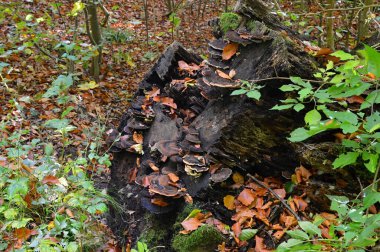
[184, 134]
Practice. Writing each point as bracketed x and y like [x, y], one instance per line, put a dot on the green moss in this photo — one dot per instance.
[204, 239]
[252, 25]
[156, 232]
[181, 216]
[229, 21]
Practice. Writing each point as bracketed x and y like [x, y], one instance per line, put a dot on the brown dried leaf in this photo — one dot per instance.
[159, 202]
[300, 203]
[173, 177]
[260, 247]
[23, 234]
[280, 192]
[355, 99]
[51, 180]
[302, 174]
[138, 138]
[154, 167]
[324, 51]
[191, 224]
[229, 51]
[69, 213]
[246, 197]
[232, 73]
[223, 74]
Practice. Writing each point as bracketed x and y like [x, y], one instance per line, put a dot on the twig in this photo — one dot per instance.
[87, 22]
[47, 53]
[340, 9]
[106, 15]
[275, 195]
[283, 78]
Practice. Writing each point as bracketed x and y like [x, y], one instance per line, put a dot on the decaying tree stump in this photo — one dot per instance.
[184, 134]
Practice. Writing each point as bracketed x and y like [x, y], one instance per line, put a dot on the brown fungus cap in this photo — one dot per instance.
[167, 148]
[221, 175]
[161, 185]
[194, 160]
[218, 44]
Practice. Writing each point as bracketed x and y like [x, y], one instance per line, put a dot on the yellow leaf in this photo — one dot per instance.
[88, 85]
[238, 178]
[78, 7]
[229, 202]
[51, 225]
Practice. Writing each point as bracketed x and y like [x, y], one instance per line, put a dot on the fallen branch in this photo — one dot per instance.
[275, 195]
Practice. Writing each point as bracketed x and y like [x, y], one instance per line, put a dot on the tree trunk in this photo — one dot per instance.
[363, 23]
[95, 34]
[330, 34]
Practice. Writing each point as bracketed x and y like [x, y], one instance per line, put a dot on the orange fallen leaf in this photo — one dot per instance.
[324, 51]
[153, 167]
[23, 234]
[168, 102]
[223, 74]
[279, 234]
[191, 224]
[260, 247]
[246, 197]
[280, 192]
[173, 177]
[138, 138]
[355, 99]
[51, 180]
[229, 51]
[300, 203]
[69, 213]
[236, 228]
[229, 202]
[159, 202]
[302, 174]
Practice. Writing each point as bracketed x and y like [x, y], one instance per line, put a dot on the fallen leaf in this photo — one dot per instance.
[260, 247]
[23, 234]
[191, 224]
[51, 180]
[229, 202]
[324, 51]
[302, 174]
[153, 167]
[300, 203]
[232, 73]
[355, 99]
[173, 177]
[236, 228]
[238, 178]
[246, 197]
[279, 234]
[223, 74]
[88, 85]
[138, 138]
[159, 202]
[69, 213]
[229, 51]
[280, 192]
